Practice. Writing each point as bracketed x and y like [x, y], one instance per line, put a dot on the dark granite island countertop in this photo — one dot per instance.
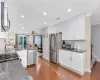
[12, 70]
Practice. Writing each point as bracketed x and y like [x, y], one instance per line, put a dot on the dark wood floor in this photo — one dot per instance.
[49, 71]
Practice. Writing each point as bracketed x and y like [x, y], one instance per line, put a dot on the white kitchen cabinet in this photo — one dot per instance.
[80, 27]
[62, 57]
[32, 57]
[65, 58]
[58, 27]
[68, 59]
[74, 29]
[51, 30]
[72, 60]
[55, 29]
[28, 57]
[76, 64]
[23, 56]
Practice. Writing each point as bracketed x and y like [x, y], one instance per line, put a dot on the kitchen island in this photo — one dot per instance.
[12, 70]
[28, 56]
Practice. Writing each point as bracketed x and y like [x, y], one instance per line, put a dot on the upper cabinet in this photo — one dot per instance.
[58, 27]
[55, 28]
[74, 29]
[51, 30]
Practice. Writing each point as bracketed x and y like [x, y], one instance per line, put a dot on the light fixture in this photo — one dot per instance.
[44, 13]
[45, 22]
[22, 27]
[22, 16]
[69, 10]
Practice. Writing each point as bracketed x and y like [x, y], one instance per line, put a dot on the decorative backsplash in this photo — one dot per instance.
[78, 44]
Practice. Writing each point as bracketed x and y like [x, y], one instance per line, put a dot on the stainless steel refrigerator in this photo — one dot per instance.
[55, 45]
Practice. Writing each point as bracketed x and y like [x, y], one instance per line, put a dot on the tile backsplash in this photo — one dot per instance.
[80, 44]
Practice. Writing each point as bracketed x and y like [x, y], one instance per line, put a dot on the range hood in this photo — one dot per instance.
[5, 22]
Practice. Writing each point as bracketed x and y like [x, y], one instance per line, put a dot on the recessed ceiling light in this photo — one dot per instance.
[45, 22]
[44, 13]
[22, 16]
[69, 10]
[22, 27]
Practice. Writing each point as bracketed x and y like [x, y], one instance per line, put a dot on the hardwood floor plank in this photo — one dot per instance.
[50, 71]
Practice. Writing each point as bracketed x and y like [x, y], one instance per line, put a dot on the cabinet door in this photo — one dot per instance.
[76, 64]
[80, 28]
[51, 29]
[65, 58]
[70, 31]
[24, 62]
[61, 57]
[23, 55]
[68, 59]
[30, 57]
[58, 28]
[65, 29]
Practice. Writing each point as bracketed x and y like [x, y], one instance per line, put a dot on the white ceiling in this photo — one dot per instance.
[33, 9]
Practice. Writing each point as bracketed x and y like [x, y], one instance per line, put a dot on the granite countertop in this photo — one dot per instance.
[75, 50]
[12, 70]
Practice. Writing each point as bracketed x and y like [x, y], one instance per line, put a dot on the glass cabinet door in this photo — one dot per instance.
[25, 42]
[22, 41]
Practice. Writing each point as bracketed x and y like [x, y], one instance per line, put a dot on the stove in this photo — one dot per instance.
[8, 57]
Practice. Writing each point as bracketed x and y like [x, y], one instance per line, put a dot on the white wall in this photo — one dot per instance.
[45, 44]
[96, 41]
[81, 44]
[88, 44]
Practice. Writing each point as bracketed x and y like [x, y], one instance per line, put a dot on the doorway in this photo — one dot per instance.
[95, 38]
[38, 42]
[22, 41]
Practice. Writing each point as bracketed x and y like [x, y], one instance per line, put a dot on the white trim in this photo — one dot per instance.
[45, 58]
[97, 59]
[88, 70]
[81, 73]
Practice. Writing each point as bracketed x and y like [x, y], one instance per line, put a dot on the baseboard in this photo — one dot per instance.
[87, 70]
[97, 59]
[71, 70]
[45, 58]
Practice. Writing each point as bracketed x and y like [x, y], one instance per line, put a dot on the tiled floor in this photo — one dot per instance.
[49, 71]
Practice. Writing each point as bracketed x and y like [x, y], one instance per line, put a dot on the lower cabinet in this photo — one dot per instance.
[23, 56]
[31, 57]
[28, 57]
[72, 60]
[76, 63]
[65, 58]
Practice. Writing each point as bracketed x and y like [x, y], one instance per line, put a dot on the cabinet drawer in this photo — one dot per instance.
[77, 55]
